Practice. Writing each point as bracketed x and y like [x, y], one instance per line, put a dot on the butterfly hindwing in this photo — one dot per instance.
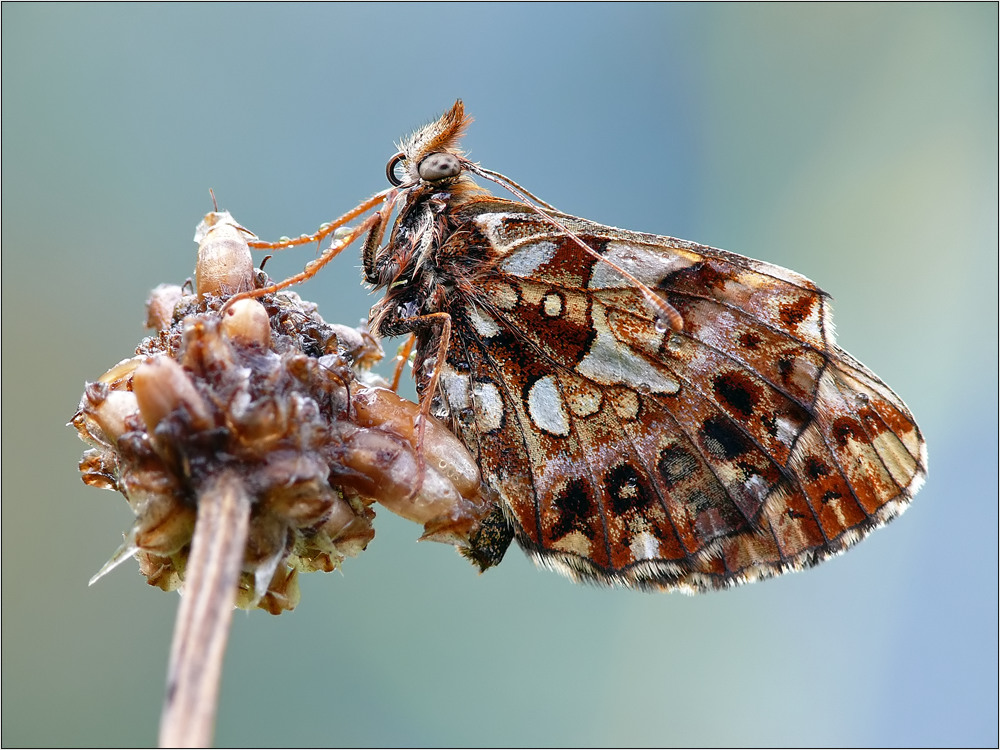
[625, 452]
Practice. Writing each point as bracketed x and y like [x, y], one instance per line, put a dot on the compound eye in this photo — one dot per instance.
[390, 169]
[440, 166]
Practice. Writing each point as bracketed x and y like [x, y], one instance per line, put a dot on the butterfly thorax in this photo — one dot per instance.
[427, 266]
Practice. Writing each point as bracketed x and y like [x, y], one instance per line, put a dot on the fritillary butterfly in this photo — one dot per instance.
[645, 411]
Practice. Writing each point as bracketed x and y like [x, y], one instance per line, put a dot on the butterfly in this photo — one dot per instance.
[645, 411]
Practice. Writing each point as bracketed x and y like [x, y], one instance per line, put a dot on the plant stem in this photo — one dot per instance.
[206, 611]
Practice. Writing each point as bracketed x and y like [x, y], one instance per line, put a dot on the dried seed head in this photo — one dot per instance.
[214, 396]
[270, 390]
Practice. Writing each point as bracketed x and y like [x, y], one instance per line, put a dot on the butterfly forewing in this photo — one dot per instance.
[621, 449]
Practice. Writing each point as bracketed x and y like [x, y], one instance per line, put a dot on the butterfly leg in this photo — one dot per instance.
[373, 243]
[401, 358]
[444, 320]
[312, 268]
[328, 228]
[369, 259]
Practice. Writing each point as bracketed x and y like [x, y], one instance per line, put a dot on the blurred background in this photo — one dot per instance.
[856, 144]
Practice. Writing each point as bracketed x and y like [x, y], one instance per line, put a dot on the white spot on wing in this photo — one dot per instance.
[552, 305]
[757, 486]
[546, 406]
[611, 362]
[527, 259]
[484, 323]
[644, 546]
[489, 406]
[787, 430]
[456, 389]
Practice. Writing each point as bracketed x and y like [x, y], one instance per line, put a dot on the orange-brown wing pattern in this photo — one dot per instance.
[744, 445]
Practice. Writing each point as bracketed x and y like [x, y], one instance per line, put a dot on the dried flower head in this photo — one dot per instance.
[269, 389]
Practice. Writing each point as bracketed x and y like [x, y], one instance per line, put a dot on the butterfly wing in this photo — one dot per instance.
[743, 446]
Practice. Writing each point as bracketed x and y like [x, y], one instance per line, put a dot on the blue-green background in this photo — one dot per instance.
[856, 144]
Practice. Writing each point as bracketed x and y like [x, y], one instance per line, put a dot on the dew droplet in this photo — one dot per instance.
[661, 325]
[860, 400]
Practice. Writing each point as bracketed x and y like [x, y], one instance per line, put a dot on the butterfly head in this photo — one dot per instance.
[431, 157]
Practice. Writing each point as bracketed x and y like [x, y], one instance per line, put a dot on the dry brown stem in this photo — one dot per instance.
[202, 627]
